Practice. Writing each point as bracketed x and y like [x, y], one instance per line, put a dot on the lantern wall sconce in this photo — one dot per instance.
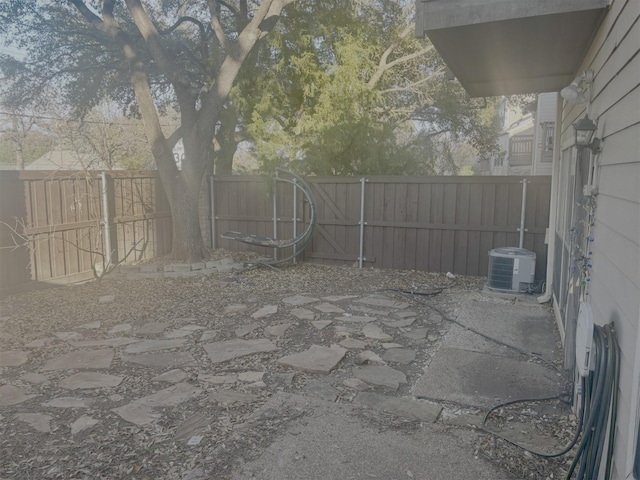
[585, 130]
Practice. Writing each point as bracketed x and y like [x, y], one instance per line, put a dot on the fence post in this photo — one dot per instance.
[275, 213]
[361, 258]
[295, 218]
[212, 210]
[110, 233]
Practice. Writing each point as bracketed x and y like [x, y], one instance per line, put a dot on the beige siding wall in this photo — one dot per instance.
[615, 287]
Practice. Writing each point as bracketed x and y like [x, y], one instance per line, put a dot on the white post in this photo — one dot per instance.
[522, 212]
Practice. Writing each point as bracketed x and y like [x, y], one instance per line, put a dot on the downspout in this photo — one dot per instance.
[551, 232]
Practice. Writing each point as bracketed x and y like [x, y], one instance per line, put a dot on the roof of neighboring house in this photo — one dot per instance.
[59, 159]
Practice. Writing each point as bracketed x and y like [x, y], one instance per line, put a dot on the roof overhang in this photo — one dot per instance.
[504, 47]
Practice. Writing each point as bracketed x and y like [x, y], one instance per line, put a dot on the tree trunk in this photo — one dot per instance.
[19, 158]
[187, 237]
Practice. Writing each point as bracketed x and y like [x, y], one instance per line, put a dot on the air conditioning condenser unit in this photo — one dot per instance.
[511, 269]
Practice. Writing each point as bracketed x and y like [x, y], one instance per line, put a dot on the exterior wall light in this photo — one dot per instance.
[574, 94]
[585, 130]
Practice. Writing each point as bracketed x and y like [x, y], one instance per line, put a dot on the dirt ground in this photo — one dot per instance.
[83, 436]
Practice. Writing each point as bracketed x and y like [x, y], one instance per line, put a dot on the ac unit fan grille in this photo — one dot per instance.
[500, 273]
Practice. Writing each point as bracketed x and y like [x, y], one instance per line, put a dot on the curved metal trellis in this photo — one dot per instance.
[299, 241]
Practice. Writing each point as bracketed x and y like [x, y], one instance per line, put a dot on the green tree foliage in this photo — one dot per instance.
[345, 88]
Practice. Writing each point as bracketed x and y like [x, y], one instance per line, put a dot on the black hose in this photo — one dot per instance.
[601, 401]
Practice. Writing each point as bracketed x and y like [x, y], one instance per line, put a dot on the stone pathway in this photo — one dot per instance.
[365, 349]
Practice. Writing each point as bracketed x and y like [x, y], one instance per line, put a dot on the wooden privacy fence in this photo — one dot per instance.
[437, 224]
[77, 220]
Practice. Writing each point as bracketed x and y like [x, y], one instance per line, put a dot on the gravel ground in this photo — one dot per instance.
[215, 305]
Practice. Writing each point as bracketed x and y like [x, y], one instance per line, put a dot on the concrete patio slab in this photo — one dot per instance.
[332, 442]
[482, 379]
[529, 327]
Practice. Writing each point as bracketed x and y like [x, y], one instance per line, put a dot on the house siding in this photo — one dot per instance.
[615, 286]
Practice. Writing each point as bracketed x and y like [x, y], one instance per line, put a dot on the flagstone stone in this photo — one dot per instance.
[172, 376]
[383, 302]
[35, 378]
[192, 327]
[38, 343]
[171, 396]
[279, 380]
[120, 328]
[153, 345]
[108, 342]
[419, 333]
[303, 314]
[152, 328]
[405, 314]
[356, 319]
[317, 359]
[389, 345]
[233, 309]
[243, 330]
[208, 335]
[370, 311]
[338, 298]
[10, 395]
[88, 380]
[321, 390]
[229, 397]
[356, 384]
[412, 409]
[278, 330]
[178, 333]
[217, 379]
[380, 375]
[227, 350]
[353, 343]
[13, 358]
[106, 299]
[68, 402]
[68, 335]
[83, 423]
[251, 376]
[257, 385]
[84, 359]
[265, 311]
[374, 332]
[299, 300]
[193, 425]
[402, 356]
[320, 324]
[369, 357]
[137, 413]
[405, 322]
[40, 422]
[164, 359]
[91, 326]
[328, 308]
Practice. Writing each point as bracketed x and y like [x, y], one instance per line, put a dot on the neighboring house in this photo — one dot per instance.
[526, 140]
[505, 47]
[59, 159]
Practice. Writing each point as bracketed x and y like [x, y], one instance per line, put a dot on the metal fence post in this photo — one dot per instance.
[295, 218]
[212, 208]
[361, 258]
[275, 214]
[110, 236]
